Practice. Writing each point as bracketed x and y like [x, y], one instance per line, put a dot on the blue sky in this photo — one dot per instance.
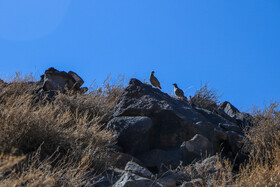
[233, 45]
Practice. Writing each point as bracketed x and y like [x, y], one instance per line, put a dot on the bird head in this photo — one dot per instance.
[152, 72]
[175, 85]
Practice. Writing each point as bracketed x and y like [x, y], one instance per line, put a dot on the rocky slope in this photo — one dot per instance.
[158, 132]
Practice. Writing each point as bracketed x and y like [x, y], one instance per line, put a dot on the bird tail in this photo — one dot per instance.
[159, 87]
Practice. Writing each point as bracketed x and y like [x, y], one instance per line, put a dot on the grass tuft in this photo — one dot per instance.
[206, 98]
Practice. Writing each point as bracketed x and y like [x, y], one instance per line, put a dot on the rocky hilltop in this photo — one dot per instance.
[162, 131]
[154, 126]
[155, 133]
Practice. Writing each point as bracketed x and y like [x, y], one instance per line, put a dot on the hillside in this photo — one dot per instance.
[54, 132]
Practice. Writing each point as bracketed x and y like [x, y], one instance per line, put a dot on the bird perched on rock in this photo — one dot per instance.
[179, 92]
[154, 81]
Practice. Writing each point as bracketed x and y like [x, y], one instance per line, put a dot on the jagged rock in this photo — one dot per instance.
[156, 159]
[229, 109]
[229, 112]
[132, 133]
[132, 180]
[136, 169]
[196, 147]
[60, 80]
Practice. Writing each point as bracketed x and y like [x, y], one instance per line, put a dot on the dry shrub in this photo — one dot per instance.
[263, 168]
[261, 171]
[265, 130]
[205, 98]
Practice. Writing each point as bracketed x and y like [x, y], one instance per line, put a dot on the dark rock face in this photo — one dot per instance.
[196, 147]
[172, 118]
[132, 133]
[151, 125]
[158, 159]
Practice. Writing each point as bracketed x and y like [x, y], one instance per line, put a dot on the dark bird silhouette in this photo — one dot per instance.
[154, 81]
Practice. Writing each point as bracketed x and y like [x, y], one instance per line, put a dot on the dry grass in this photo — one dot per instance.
[31, 170]
[48, 143]
[206, 98]
[263, 168]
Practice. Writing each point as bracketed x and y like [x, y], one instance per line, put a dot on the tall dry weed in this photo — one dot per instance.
[206, 98]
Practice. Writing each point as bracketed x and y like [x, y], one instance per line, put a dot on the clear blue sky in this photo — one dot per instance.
[234, 45]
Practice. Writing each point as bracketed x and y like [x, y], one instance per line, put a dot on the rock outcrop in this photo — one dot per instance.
[54, 80]
[228, 111]
[160, 129]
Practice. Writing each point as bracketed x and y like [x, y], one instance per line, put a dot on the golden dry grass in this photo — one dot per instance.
[50, 143]
[263, 168]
